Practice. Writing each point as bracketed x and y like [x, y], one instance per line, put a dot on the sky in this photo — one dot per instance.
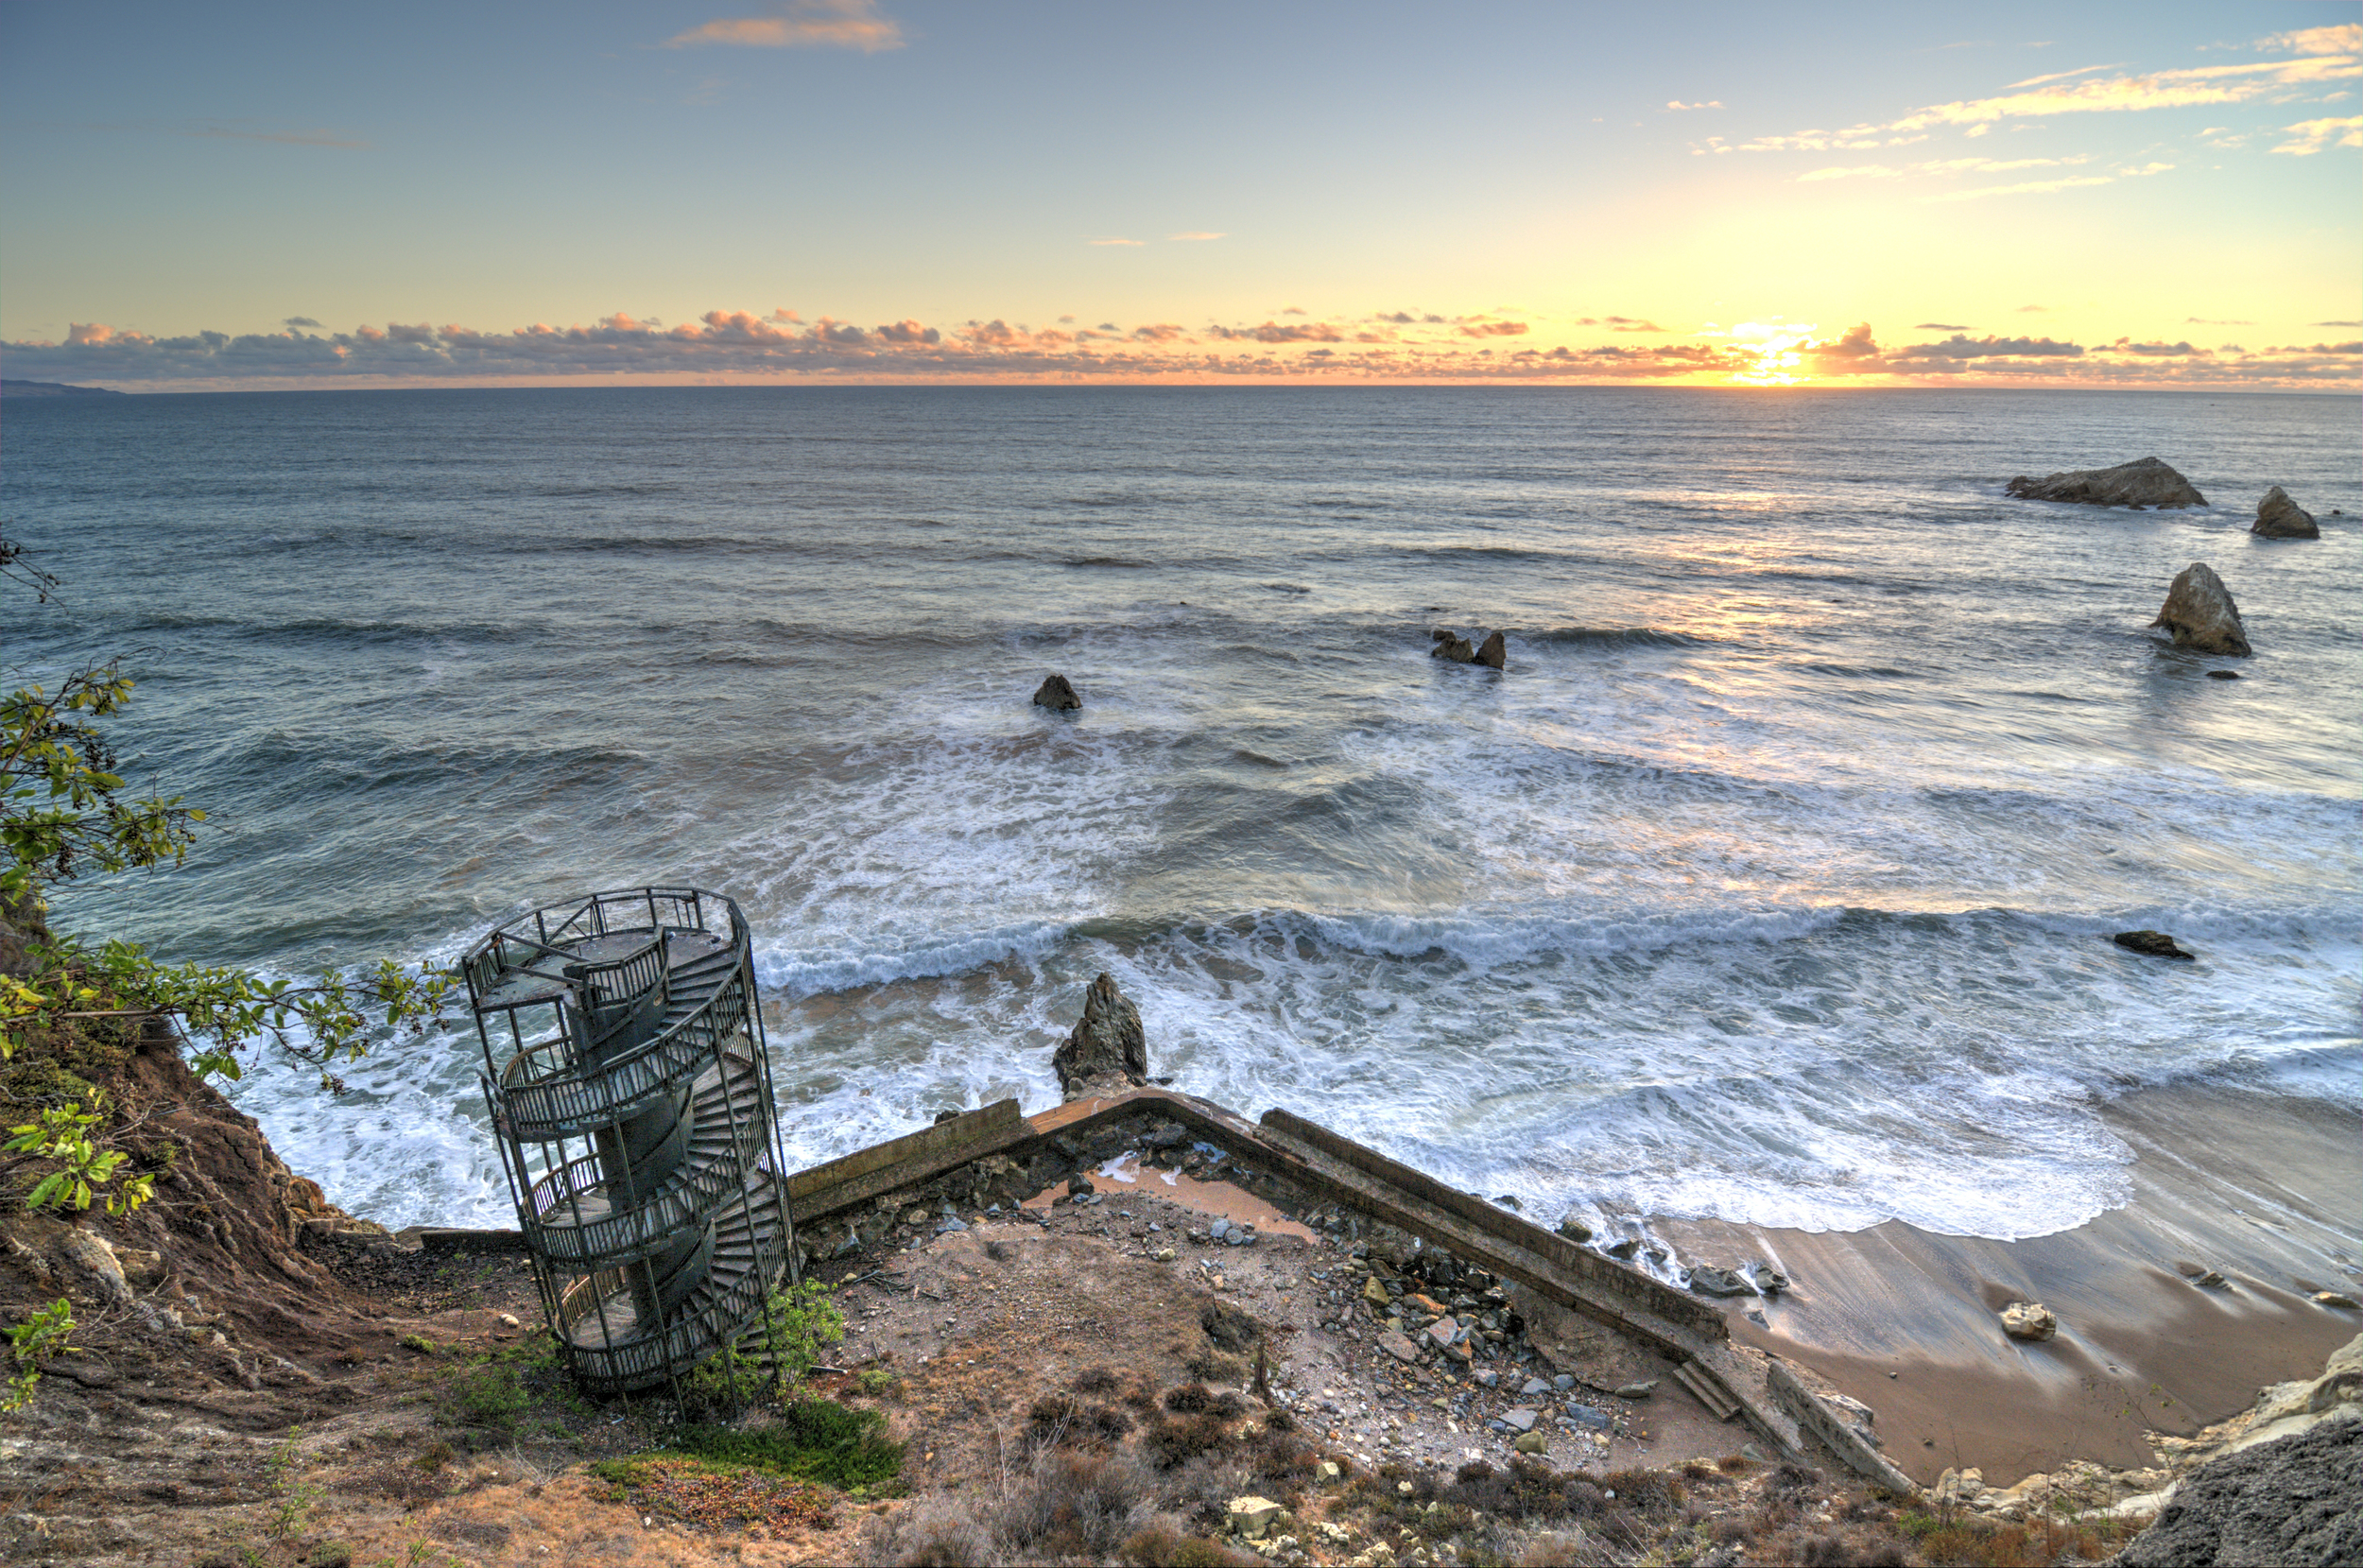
[694, 191]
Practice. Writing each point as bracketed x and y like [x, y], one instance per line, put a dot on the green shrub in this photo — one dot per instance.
[815, 1440]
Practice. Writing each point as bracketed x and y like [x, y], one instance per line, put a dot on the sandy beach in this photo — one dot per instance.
[2267, 1191]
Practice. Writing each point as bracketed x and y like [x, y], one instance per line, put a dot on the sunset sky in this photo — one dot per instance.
[882, 190]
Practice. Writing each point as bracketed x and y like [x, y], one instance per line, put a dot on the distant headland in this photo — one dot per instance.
[55, 389]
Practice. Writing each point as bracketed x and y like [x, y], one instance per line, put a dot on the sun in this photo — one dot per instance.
[1771, 351]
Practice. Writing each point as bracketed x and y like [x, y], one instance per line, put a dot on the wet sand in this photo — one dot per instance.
[2268, 1191]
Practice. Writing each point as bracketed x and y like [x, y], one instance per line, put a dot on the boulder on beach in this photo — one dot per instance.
[2278, 517]
[1707, 1279]
[1057, 693]
[2029, 1320]
[1450, 646]
[2146, 482]
[2155, 944]
[2200, 611]
[1106, 1052]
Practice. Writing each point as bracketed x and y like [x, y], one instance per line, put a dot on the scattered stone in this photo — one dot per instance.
[2278, 517]
[2211, 1281]
[2337, 1299]
[1563, 1381]
[2200, 613]
[1585, 1415]
[1707, 1279]
[508, 1321]
[2029, 1320]
[1249, 1517]
[1169, 1135]
[1755, 1316]
[1328, 1471]
[2155, 944]
[1767, 1279]
[1637, 1390]
[1401, 1348]
[1575, 1230]
[951, 1225]
[1164, 1254]
[1220, 1228]
[1056, 694]
[1448, 647]
[1108, 1049]
[1078, 1184]
[1521, 1419]
[1531, 1442]
[1494, 652]
[2146, 482]
[1623, 1250]
[1534, 1386]
[1374, 1292]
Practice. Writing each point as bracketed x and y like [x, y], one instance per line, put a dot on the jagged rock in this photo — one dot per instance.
[1494, 652]
[1575, 1230]
[1709, 1280]
[1449, 646]
[86, 1253]
[1249, 1517]
[2278, 517]
[1107, 1048]
[2156, 944]
[2200, 611]
[2146, 482]
[1767, 1279]
[2336, 1299]
[2029, 1320]
[2287, 1501]
[1056, 694]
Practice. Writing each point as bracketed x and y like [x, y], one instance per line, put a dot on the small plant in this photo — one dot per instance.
[874, 1381]
[43, 1334]
[63, 1134]
[796, 1324]
[490, 1397]
[296, 1501]
[418, 1342]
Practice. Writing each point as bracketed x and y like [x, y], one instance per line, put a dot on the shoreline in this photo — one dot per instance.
[1906, 1319]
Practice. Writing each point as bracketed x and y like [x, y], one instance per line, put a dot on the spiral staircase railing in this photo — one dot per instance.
[630, 1092]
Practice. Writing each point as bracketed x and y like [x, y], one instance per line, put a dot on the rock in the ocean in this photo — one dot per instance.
[2143, 483]
[1107, 1049]
[1575, 1230]
[2223, 675]
[1767, 1279]
[1709, 1280]
[2336, 1299]
[1494, 652]
[2278, 517]
[1453, 648]
[2200, 611]
[2155, 944]
[2030, 1320]
[1057, 693]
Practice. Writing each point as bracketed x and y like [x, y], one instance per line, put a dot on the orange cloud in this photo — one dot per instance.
[803, 25]
[2308, 137]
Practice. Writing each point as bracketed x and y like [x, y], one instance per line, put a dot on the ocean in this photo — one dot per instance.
[1770, 883]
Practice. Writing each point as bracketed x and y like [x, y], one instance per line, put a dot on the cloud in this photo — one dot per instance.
[1197, 235]
[1941, 166]
[2334, 323]
[2346, 38]
[1294, 310]
[2227, 322]
[2034, 310]
[299, 322]
[1936, 326]
[2064, 75]
[802, 25]
[1113, 241]
[1677, 104]
[1958, 346]
[1632, 323]
[746, 347]
[2308, 137]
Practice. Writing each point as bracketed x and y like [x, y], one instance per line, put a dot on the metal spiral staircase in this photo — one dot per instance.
[631, 1094]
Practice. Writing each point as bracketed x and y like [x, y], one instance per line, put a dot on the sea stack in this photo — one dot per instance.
[2200, 611]
[1495, 653]
[2145, 482]
[1106, 1052]
[1451, 646]
[1058, 695]
[2278, 517]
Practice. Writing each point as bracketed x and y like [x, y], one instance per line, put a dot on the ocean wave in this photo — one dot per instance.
[1634, 636]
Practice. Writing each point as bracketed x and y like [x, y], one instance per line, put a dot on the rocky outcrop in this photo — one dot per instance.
[1057, 693]
[2289, 1501]
[2155, 944]
[2199, 612]
[2278, 517]
[2146, 482]
[1107, 1051]
[1453, 648]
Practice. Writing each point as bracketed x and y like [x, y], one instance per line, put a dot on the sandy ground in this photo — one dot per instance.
[2267, 1192]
